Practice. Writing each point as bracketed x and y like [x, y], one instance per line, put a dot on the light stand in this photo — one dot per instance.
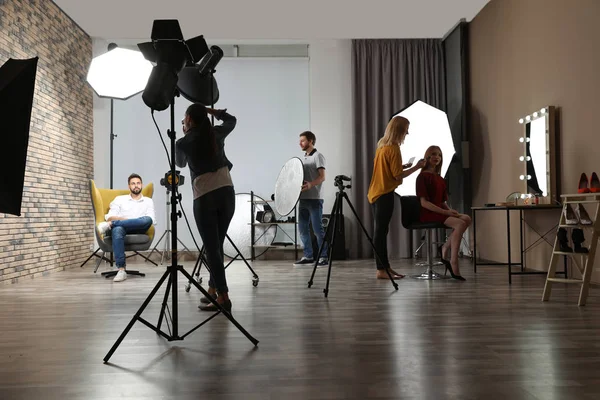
[337, 215]
[167, 234]
[171, 273]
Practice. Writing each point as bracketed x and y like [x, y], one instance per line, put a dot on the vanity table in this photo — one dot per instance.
[521, 209]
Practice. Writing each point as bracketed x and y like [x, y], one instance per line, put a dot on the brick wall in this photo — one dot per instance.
[54, 231]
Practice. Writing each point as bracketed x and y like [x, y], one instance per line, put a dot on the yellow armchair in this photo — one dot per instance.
[101, 199]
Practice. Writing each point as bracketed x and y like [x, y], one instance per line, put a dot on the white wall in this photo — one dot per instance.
[330, 116]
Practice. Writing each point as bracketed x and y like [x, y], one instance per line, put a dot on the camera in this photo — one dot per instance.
[167, 181]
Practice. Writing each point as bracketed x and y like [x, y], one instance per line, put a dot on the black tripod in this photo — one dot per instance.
[171, 272]
[336, 215]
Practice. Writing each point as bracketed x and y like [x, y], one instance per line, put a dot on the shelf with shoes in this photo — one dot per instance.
[575, 217]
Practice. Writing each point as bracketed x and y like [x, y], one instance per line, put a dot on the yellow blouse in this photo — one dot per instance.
[387, 165]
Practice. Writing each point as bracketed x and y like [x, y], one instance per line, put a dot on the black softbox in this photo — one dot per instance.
[17, 83]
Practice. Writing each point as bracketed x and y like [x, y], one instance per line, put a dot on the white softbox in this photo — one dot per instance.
[428, 126]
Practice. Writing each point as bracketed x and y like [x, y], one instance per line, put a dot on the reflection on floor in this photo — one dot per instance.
[479, 339]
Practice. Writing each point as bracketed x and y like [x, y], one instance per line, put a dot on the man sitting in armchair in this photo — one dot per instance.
[130, 213]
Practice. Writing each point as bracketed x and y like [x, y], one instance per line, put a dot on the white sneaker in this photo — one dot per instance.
[121, 276]
[103, 227]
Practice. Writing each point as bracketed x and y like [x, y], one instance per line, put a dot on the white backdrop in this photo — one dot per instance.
[269, 97]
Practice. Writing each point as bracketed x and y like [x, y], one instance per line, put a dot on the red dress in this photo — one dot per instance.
[432, 187]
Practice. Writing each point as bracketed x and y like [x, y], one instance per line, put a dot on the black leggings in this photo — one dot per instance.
[213, 212]
[383, 208]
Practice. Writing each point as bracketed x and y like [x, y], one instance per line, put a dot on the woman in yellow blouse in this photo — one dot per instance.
[388, 173]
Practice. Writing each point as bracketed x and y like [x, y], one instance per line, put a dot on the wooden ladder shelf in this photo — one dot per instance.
[583, 261]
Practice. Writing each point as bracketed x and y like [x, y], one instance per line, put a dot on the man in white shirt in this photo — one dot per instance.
[131, 213]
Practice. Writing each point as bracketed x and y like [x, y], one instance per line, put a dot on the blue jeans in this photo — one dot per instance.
[120, 228]
[311, 210]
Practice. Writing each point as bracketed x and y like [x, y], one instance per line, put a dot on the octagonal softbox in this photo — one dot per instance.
[428, 127]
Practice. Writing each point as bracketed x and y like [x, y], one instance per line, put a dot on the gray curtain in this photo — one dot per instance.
[388, 75]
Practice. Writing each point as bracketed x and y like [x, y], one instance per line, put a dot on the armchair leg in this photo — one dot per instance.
[146, 258]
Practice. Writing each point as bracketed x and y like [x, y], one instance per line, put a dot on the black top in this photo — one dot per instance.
[195, 148]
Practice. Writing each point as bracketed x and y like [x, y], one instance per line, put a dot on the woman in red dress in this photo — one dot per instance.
[431, 189]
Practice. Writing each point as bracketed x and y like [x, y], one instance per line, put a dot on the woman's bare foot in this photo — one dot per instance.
[382, 274]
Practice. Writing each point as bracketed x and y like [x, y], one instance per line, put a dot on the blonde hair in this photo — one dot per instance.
[395, 132]
[431, 149]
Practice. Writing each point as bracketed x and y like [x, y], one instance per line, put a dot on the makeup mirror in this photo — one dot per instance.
[539, 155]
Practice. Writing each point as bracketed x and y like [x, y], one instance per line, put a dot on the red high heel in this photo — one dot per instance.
[594, 183]
[583, 184]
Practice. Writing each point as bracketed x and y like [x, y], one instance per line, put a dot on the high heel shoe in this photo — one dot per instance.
[449, 268]
[583, 184]
[582, 215]
[570, 216]
[594, 183]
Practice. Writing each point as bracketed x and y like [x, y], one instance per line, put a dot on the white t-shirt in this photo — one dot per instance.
[125, 206]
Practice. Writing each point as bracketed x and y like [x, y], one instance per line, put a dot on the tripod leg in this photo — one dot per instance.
[370, 240]
[135, 317]
[336, 220]
[325, 240]
[164, 304]
[255, 280]
[227, 315]
[88, 259]
[157, 244]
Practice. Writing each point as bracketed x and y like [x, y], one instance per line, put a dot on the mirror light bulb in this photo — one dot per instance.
[528, 140]
[521, 158]
[528, 177]
[528, 158]
[528, 118]
[521, 120]
[535, 114]
[543, 111]
[521, 140]
[522, 177]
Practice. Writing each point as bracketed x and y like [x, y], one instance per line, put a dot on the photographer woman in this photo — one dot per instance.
[203, 148]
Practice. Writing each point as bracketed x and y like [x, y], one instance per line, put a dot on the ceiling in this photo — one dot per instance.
[273, 19]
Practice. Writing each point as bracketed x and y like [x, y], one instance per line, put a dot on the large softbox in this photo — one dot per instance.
[17, 83]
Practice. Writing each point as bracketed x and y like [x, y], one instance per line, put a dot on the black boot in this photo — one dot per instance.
[563, 241]
[578, 239]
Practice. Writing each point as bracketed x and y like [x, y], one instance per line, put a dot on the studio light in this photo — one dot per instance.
[197, 83]
[171, 54]
[119, 73]
[428, 127]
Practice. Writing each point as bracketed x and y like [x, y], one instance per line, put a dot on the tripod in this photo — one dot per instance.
[167, 234]
[171, 273]
[201, 259]
[336, 215]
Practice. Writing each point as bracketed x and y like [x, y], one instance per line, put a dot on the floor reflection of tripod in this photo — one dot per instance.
[336, 216]
[202, 260]
[167, 236]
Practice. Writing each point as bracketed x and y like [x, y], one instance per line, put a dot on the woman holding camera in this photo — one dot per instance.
[203, 148]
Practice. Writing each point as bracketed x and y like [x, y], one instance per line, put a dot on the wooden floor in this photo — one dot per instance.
[479, 339]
